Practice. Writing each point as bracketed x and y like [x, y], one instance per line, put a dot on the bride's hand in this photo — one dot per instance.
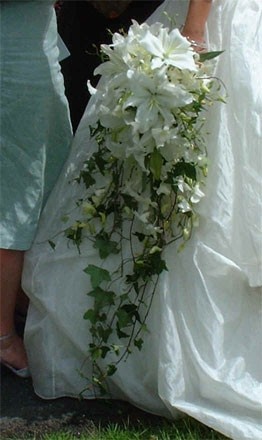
[197, 43]
[194, 27]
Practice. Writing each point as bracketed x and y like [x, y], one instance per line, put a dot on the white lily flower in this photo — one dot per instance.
[154, 98]
[169, 48]
[110, 119]
[164, 135]
[92, 90]
[116, 63]
[141, 145]
[145, 202]
[137, 31]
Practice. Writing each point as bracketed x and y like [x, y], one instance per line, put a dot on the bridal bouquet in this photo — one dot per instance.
[145, 178]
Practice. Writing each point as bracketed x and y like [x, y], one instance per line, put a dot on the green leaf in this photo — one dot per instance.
[103, 298]
[104, 350]
[111, 369]
[124, 318]
[138, 343]
[133, 278]
[97, 275]
[130, 201]
[105, 246]
[184, 169]
[87, 178]
[74, 233]
[91, 315]
[65, 218]
[209, 55]
[104, 333]
[100, 162]
[52, 244]
[131, 311]
[120, 333]
[95, 351]
[140, 236]
[157, 265]
[155, 164]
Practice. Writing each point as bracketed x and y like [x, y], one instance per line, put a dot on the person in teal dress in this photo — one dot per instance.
[35, 138]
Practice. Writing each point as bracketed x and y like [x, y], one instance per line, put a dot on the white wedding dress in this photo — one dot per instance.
[202, 356]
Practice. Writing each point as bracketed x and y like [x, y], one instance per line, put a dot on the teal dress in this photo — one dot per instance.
[35, 126]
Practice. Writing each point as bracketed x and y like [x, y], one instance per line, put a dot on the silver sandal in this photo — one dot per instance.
[23, 372]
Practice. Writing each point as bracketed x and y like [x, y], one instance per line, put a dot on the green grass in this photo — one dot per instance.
[186, 429]
[105, 420]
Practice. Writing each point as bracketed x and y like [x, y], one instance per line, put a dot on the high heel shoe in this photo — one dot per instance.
[23, 372]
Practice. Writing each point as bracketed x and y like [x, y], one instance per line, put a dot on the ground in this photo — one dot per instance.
[24, 414]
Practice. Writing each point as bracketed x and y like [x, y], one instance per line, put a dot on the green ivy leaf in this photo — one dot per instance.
[140, 236]
[209, 55]
[104, 350]
[95, 351]
[97, 275]
[52, 244]
[103, 298]
[126, 313]
[74, 233]
[87, 178]
[91, 315]
[104, 333]
[111, 369]
[124, 319]
[138, 343]
[120, 333]
[100, 162]
[130, 201]
[157, 265]
[155, 164]
[133, 278]
[105, 246]
[184, 169]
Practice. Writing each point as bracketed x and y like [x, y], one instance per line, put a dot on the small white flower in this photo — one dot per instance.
[164, 189]
[197, 194]
[143, 218]
[182, 185]
[184, 206]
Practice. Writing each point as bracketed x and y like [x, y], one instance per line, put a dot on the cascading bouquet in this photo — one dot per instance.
[144, 179]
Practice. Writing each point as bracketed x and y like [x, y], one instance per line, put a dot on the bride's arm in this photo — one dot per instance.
[197, 14]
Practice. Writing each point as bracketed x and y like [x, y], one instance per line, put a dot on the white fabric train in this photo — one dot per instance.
[201, 356]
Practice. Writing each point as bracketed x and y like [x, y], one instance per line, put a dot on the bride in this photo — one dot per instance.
[201, 354]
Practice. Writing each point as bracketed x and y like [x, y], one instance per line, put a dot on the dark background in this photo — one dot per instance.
[82, 26]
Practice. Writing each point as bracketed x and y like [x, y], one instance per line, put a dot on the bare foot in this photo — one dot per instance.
[12, 352]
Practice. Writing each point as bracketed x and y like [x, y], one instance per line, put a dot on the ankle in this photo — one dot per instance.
[7, 339]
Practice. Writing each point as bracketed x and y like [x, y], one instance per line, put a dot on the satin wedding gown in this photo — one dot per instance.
[202, 355]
